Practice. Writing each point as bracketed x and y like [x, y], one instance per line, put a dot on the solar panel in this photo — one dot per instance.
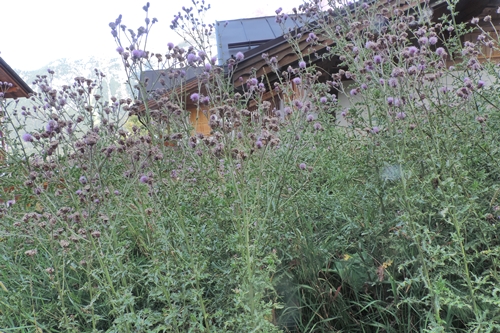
[242, 35]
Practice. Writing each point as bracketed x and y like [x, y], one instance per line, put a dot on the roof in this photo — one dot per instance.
[19, 87]
[242, 35]
[256, 36]
[279, 47]
[171, 77]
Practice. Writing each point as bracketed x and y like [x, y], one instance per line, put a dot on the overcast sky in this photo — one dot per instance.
[35, 32]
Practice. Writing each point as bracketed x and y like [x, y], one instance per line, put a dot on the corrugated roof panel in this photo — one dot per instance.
[182, 75]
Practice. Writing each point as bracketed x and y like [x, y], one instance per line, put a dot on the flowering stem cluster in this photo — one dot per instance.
[352, 188]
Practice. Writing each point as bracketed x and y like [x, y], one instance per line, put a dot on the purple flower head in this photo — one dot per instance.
[423, 40]
[298, 104]
[463, 92]
[259, 144]
[288, 110]
[433, 40]
[136, 54]
[370, 45]
[302, 166]
[474, 20]
[116, 192]
[10, 203]
[144, 179]
[317, 126]
[401, 115]
[382, 82]
[375, 129]
[27, 137]
[441, 52]
[51, 125]
[302, 64]
[297, 80]
[354, 92]
[412, 70]
[191, 58]
[393, 82]
[195, 97]
[83, 180]
[480, 84]
[323, 100]
[377, 59]
[240, 56]
[120, 49]
[205, 100]
[213, 60]
[390, 100]
[253, 82]
[474, 64]
[344, 113]
[364, 86]
[412, 50]
[468, 82]
[79, 192]
[208, 67]
[277, 11]
[309, 118]
[170, 45]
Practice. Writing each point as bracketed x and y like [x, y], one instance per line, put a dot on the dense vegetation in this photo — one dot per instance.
[382, 220]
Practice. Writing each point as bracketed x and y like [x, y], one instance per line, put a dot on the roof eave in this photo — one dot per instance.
[25, 89]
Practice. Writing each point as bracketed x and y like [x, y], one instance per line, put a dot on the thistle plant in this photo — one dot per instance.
[361, 197]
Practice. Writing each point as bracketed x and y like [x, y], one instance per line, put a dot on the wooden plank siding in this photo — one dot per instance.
[199, 120]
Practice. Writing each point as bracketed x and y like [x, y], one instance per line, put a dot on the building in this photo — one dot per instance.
[18, 88]
[255, 37]
[12, 86]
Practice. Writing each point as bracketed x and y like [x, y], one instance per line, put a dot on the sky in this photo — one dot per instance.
[35, 32]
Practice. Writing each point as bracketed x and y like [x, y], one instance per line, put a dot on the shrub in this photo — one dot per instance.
[381, 219]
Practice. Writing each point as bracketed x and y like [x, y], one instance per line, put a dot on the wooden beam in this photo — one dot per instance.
[13, 89]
